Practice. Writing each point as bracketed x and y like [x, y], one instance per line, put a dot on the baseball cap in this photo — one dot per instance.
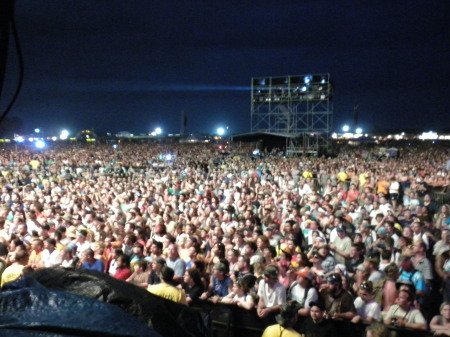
[271, 272]
[382, 231]
[334, 278]
[305, 273]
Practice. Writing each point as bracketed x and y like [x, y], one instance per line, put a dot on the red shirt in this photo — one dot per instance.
[122, 273]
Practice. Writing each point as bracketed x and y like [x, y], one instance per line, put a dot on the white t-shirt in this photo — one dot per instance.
[365, 310]
[298, 294]
[272, 297]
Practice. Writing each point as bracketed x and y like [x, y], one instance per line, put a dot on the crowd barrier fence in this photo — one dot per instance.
[225, 320]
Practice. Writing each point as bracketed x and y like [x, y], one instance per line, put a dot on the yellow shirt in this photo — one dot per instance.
[277, 329]
[12, 273]
[35, 164]
[342, 176]
[168, 292]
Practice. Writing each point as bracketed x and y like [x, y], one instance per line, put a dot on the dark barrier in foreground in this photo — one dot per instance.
[164, 316]
[27, 309]
[232, 321]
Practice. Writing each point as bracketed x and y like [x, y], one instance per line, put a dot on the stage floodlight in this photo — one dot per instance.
[307, 79]
[345, 128]
[220, 131]
[358, 131]
[40, 144]
[64, 135]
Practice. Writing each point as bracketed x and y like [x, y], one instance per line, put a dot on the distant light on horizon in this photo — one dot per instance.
[220, 131]
[64, 135]
[345, 128]
[358, 131]
[37, 130]
[40, 144]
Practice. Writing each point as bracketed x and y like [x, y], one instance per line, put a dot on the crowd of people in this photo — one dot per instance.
[357, 237]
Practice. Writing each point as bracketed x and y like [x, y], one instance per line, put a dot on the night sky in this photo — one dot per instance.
[132, 65]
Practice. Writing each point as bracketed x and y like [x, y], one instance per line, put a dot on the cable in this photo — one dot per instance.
[21, 69]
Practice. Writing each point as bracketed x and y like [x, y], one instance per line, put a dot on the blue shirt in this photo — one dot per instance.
[416, 278]
[97, 265]
[220, 288]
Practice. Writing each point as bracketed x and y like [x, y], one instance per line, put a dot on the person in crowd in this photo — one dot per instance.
[70, 260]
[140, 274]
[367, 309]
[286, 319]
[36, 256]
[166, 288]
[52, 257]
[337, 301]
[316, 325]
[272, 294]
[176, 263]
[440, 324]
[16, 269]
[156, 266]
[123, 270]
[403, 314]
[240, 296]
[377, 330]
[89, 262]
[302, 290]
[193, 285]
[219, 285]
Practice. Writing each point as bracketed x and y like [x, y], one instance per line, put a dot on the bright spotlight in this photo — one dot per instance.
[54, 138]
[358, 131]
[64, 135]
[304, 89]
[220, 131]
[307, 79]
[19, 139]
[158, 131]
[168, 157]
[345, 128]
[115, 146]
[40, 144]
[37, 130]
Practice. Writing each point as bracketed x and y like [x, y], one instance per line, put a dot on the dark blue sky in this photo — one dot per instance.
[132, 65]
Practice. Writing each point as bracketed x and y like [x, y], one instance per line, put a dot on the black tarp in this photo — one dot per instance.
[29, 309]
[164, 316]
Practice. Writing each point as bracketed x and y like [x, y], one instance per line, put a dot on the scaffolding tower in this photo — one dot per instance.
[299, 107]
